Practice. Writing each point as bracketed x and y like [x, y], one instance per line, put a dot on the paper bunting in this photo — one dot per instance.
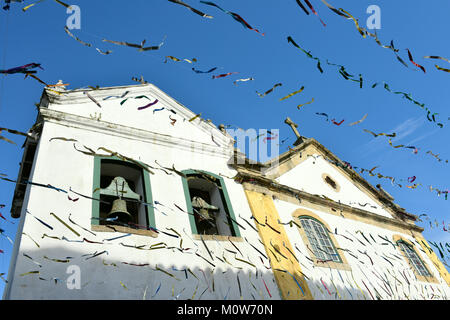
[335, 10]
[223, 75]
[400, 145]
[76, 38]
[314, 11]
[308, 54]
[37, 244]
[322, 114]
[301, 6]
[42, 82]
[293, 93]
[140, 47]
[235, 16]
[437, 57]
[7, 140]
[45, 224]
[269, 91]
[359, 121]
[195, 117]
[65, 224]
[436, 156]
[23, 69]
[414, 63]
[30, 272]
[337, 123]
[392, 135]
[148, 105]
[103, 52]
[304, 104]
[360, 30]
[92, 98]
[176, 59]
[122, 96]
[66, 29]
[209, 71]
[243, 80]
[32, 260]
[408, 97]
[192, 9]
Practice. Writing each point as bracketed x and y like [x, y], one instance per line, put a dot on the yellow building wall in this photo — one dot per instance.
[279, 250]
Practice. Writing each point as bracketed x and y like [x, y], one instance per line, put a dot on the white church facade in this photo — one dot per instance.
[125, 193]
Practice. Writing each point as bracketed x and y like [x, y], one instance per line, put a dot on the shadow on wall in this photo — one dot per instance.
[60, 273]
[69, 274]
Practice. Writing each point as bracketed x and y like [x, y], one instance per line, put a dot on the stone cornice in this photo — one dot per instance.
[269, 170]
[77, 96]
[122, 131]
[254, 181]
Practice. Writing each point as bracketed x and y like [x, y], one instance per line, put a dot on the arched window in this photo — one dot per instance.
[320, 241]
[413, 258]
[208, 202]
[123, 194]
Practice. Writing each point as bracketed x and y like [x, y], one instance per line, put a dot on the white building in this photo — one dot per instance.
[302, 226]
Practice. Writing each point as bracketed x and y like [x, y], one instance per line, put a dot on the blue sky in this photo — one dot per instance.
[37, 35]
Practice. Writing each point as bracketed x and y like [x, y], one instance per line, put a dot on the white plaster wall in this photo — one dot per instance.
[129, 115]
[341, 283]
[60, 165]
[307, 176]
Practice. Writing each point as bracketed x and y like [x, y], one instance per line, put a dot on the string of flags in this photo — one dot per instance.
[369, 255]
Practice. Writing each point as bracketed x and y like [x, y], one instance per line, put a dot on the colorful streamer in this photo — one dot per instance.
[204, 15]
[414, 63]
[223, 75]
[235, 16]
[293, 93]
[269, 91]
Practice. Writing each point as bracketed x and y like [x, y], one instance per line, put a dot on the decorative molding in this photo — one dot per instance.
[78, 97]
[295, 196]
[99, 126]
[274, 168]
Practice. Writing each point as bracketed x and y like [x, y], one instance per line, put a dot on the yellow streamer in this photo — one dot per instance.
[293, 93]
[304, 104]
[65, 224]
[361, 31]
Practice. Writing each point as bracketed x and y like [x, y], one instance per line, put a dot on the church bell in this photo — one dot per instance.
[119, 188]
[119, 210]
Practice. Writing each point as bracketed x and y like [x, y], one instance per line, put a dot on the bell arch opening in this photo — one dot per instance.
[122, 191]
